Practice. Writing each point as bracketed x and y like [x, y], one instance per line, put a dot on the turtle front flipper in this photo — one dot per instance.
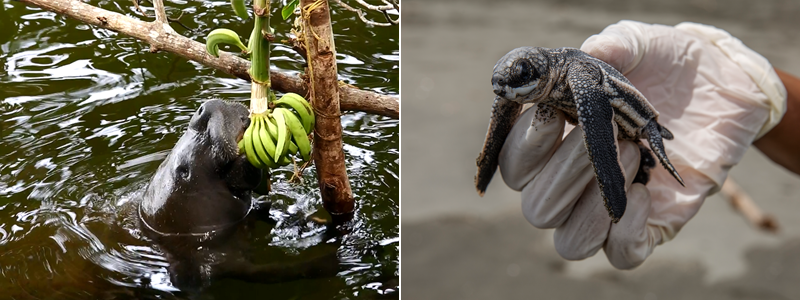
[654, 133]
[596, 118]
[504, 115]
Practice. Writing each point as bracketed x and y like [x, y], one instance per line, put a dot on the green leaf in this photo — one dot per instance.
[289, 9]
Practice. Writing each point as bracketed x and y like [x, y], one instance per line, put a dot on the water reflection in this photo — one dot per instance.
[86, 116]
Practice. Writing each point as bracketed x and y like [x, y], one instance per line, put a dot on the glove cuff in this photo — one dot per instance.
[752, 63]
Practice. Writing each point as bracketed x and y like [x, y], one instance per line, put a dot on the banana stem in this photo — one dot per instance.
[259, 97]
[260, 91]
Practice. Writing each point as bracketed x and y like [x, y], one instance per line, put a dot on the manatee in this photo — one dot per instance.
[199, 209]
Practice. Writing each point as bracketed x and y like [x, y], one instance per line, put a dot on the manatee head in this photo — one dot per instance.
[217, 126]
[204, 183]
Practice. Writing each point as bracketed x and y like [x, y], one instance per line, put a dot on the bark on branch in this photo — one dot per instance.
[161, 36]
[337, 197]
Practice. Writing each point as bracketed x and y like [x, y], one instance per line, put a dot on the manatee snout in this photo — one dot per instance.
[232, 117]
[222, 123]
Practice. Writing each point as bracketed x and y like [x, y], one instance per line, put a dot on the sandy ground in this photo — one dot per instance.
[457, 245]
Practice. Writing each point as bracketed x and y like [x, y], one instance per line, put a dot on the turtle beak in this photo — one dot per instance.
[499, 90]
[498, 85]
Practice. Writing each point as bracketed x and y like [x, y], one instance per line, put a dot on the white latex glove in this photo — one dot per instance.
[715, 95]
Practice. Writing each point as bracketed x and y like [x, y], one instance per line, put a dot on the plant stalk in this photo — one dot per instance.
[260, 88]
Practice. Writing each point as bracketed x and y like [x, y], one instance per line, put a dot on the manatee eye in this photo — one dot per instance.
[521, 74]
[183, 172]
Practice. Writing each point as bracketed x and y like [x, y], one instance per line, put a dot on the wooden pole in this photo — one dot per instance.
[334, 185]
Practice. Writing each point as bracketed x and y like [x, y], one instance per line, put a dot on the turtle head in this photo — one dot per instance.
[520, 75]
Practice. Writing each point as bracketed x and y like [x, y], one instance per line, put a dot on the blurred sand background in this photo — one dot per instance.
[457, 245]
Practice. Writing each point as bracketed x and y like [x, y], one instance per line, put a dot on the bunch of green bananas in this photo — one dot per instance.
[279, 132]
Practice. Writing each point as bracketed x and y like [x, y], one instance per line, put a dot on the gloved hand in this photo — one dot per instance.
[715, 95]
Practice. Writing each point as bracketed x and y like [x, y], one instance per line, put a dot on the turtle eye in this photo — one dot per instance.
[521, 74]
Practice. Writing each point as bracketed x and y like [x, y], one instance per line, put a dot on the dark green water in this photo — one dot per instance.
[87, 115]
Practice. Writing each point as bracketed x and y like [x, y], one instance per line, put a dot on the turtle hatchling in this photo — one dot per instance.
[590, 93]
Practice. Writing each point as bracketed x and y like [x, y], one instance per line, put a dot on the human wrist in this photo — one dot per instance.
[780, 144]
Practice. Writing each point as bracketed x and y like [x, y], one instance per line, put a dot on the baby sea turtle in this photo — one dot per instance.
[591, 94]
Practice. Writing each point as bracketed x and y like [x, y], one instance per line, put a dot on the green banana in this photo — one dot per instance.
[284, 160]
[249, 149]
[310, 112]
[239, 8]
[262, 155]
[302, 107]
[222, 36]
[267, 142]
[273, 131]
[283, 134]
[241, 146]
[299, 134]
[272, 126]
[292, 148]
[288, 140]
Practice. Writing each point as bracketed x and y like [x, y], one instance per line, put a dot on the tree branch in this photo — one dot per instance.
[362, 14]
[161, 12]
[161, 37]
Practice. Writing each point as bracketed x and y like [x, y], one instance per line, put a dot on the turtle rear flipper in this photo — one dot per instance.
[665, 133]
[653, 132]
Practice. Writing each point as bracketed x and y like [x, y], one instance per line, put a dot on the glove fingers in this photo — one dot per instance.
[548, 200]
[632, 240]
[586, 229]
[529, 146]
